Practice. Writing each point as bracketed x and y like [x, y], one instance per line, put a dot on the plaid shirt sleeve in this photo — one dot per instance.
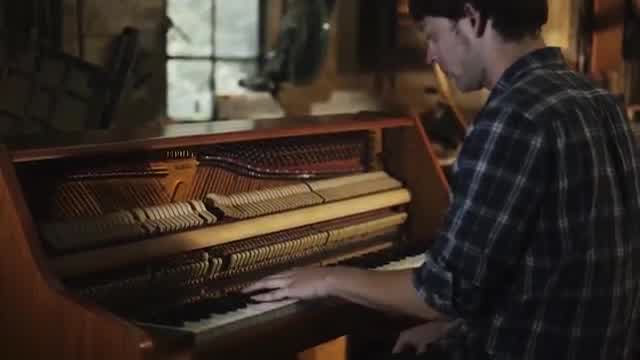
[498, 182]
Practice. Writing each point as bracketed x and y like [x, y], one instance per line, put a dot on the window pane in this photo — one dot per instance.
[228, 73]
[191, 33]
[237, 28]
[190, 94]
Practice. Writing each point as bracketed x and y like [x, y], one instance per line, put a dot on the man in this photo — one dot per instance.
[535, 257]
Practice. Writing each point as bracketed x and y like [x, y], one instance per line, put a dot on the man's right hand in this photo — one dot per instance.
[304, 284]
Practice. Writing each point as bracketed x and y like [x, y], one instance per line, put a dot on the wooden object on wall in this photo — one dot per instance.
[389, 39]
[608, 28]
[560, 28]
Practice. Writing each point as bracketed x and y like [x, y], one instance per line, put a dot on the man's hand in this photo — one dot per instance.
[304, 283]
[389, 291]
[419, 337]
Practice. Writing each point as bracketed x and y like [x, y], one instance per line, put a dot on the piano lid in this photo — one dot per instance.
[65, 145]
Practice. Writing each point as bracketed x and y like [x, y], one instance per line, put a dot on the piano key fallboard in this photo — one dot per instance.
[151, 238]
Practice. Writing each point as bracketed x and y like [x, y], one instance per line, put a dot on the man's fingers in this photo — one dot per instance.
[277, 295]
[270, 282]
[398, 347]
[402, 344]
[284, 274]
[422, 347]
[267, 283]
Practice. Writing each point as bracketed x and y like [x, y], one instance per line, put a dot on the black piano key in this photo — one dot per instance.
[374, 260]
[173, 317]
[213, 306]
[228, 304]
[381, 259]
[196, 312]
[362, 261]
[220, 305]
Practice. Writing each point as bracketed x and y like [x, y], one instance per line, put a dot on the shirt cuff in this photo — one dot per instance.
[434, 284]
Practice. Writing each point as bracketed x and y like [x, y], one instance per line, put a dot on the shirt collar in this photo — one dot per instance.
[548, 57]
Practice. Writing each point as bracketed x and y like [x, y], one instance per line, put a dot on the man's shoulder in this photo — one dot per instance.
[545, 92]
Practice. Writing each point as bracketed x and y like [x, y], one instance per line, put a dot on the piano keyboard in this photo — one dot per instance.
[205, 320]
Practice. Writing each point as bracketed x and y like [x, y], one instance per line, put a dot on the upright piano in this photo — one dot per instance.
[135, 244]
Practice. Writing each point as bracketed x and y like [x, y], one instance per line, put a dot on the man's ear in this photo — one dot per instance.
[477, 20]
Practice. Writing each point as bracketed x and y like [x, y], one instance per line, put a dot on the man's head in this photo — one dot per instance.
[460, 33]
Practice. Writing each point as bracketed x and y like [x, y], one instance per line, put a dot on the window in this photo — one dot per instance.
[212, 45]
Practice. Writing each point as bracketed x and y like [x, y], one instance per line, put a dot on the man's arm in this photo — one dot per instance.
[500, 182]
[499, 186]
[391, 291]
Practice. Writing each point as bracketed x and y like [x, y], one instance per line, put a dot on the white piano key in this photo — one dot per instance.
[217, 320]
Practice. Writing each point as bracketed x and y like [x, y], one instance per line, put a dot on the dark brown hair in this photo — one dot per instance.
[513, 19]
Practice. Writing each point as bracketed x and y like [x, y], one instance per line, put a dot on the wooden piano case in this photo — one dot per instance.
[42, 319]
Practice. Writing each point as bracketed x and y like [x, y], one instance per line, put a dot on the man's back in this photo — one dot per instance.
[580, 285]
[542, 231]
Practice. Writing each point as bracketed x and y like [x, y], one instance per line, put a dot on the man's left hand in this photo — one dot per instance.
[420, 337]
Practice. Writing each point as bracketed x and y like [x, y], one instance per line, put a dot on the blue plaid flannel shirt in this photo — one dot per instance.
[537, 251]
